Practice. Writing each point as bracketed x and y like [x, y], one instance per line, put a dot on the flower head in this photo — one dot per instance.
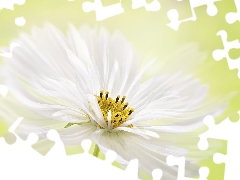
[87, 85]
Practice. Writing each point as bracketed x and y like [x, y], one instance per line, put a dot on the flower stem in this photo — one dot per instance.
[96, 150]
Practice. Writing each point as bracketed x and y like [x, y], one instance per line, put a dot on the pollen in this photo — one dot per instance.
[118, 107]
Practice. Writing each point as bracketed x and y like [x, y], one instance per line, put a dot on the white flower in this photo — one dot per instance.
[88, 86]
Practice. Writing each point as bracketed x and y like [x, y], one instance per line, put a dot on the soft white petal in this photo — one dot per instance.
[74, 135]
[97, 114]
[136, 83]
[131, 130]
[78, 45]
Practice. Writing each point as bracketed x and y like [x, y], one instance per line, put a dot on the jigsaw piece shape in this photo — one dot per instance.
[232, 17]
[229, 131]
[180, 162]
[224, 53]
[153, 6]
[103, 12]
[174, 16]
[28, 164]
[43, 145]
[32, 138]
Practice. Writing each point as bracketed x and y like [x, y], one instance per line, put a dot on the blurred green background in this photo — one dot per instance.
[149, 34]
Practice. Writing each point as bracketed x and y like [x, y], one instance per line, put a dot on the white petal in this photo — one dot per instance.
[93, 105]
[81, 69]
[136, 83]
[74, 135]
[78, 44]
[131, 130]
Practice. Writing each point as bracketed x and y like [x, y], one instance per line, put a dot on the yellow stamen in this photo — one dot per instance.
[119, 109]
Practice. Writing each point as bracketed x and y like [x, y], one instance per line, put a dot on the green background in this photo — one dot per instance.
[151, 37]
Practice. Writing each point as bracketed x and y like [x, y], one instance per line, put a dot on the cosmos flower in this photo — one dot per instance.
[87, 86]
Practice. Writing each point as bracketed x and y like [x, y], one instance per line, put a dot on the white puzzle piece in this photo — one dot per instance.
[224, 53]
[103, 12]
[229, 131]
[174, 16]
[28, 164]
[232, 17]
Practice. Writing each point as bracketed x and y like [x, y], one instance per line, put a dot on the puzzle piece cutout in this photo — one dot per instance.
[180, 162]
[232, 17]
[173, 14]
[101, 11]
[224, 53]
[57, 155]
[43, 145]
[28, 164]
[153, 6]
[229, 131]
[104, 12]
[9, 4]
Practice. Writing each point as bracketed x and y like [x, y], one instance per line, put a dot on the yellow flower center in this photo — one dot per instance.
[119, 109]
